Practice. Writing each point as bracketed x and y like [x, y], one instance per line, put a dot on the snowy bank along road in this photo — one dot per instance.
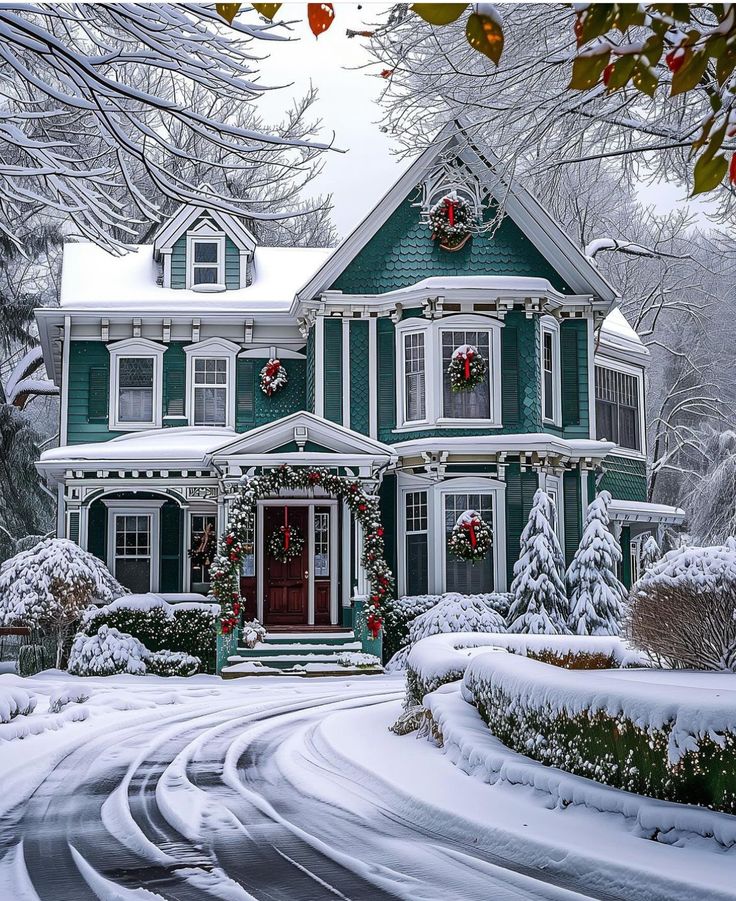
[283, 789]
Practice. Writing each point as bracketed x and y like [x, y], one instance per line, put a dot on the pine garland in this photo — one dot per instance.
[273, 377]
[282, 550]
[225, 571]
[450, 220]
[471, 537]
[467, 368]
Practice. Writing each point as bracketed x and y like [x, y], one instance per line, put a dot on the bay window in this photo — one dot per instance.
[414, 377]
[618, 407]
[417, 530]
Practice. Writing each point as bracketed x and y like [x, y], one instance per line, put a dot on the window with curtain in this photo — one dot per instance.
[414, 379]
[462, 575]
[210, 391]
[206, 263]
[322, 544]
[417, 558]
[474, 404]
[135, 389]
[617, 407]
[548, 376]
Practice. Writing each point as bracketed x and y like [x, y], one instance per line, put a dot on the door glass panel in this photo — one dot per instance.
[462, 575]
[133, 551]
[203, 546]
[322, 545]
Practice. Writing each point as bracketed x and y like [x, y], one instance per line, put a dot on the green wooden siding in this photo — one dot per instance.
[254, 408]
[87, 390]
[571, 490]
[333, 371]
[171, 537]
[175, 383]
[402, 253]
[520, 488]
[97, 530]
[625, 478]
[524, 376]
[359, 384]
[179, 262]
[574, 378]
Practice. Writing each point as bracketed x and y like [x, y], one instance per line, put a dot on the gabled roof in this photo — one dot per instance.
[520, 206]
[183, 218]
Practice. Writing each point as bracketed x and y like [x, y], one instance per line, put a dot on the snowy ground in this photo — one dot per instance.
[291, 790]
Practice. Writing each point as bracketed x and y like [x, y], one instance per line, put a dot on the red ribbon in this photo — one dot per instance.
[450, 207]
[287, 530]
[468, 360]
[470, 527]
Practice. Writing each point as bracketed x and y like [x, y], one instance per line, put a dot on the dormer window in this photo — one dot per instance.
[206, 257]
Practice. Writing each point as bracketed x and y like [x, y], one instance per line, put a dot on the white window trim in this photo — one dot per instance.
[140, 348]
[206, 236]
[550, 326]
[433, 374]
[555, 483]
[135, 508]
[638, 373]
[200, 509]
[212, 349]
[437, 578]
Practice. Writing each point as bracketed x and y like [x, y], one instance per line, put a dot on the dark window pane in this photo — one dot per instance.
[416, 564]
[628, 418]
[205, 275]
[549, 407]
[606, 424]
[136, 372]
[205, 253]
[134, 574]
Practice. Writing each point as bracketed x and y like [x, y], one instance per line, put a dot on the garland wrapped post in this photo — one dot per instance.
[471, 537]
[273, 377]
[225, 572]
[467, 368]
[450, 220]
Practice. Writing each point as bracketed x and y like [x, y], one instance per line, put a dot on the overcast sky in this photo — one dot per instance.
[348, 92]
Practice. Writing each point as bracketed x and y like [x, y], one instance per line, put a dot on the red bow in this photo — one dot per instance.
[468, 360]
[287, 529]
[450, 207]
[470, 527]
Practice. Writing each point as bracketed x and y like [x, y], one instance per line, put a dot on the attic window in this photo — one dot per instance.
[207, 263]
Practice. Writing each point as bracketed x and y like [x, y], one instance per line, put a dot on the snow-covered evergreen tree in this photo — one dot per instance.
[651, 553]
[539, 604]
[595, 593]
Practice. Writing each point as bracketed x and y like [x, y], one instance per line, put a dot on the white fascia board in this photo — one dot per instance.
[152, 313]
[305, 458]
[185, 215]
[47, 320]
[642, 511]
[537, 442]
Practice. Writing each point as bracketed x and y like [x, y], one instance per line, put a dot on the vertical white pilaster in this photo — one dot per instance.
[346, 372]
[372, 378]
[259, 563]
[319, 367]
[310, 564]
[64, 408]
[591, 377]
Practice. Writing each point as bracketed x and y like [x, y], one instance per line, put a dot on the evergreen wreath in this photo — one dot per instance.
[225, 571]
[285, 543]
[471, 537]
[273, 377]
[203, 551]
[467, 368]
[450, 219]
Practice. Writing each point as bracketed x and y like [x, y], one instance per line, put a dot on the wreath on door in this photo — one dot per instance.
[285, 543]
[471, 537]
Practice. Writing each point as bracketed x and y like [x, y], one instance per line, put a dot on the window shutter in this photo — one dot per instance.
[386, 374]
[510, 375]
[573, 525]
[99, 386]
[170, 541]
[246, 388]
[97, 530]
[332, 365]
[175, 388]
[72, 532]
[570, 366]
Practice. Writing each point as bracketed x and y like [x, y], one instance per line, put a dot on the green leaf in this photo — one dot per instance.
[267, 10]
[628, 14]
[485, 35]
[594, 21]
[228, 11]
[621, 73]
[653, 48]
[725, 65]
[644, 79]
[715, 141]
[708, 173]
[587, 70]
[689, 73]
[439, 13]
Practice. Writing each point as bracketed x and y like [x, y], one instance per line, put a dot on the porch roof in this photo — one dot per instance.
[643, 512]
[540, 443]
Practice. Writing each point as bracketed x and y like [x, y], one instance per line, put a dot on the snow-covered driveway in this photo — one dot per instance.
[257, 788]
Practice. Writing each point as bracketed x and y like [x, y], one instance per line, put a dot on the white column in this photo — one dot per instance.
[372, 378]
[346, 372]
[310, 564]
[319, 371]
[64, 409]
[259, 563]
[334, 617]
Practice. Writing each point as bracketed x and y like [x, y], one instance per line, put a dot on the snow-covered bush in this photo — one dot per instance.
[32, 659]
[651, 553]
[187, 627]
[48, 587]
[596, 595]
[252, 633]
[456, 613]
[539, 602]
[172, 663]
[683, 610]
[107, 653]
[358, 660]
[638, 736]
[69, 694]
[15, 702]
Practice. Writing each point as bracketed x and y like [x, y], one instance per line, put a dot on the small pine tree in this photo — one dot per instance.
[596, 595]
[539, 603]
[651, 553]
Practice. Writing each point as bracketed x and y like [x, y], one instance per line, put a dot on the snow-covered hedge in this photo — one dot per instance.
[440, 659]
[635, 735]
[110, 652]
[15, 702]
[187, 627]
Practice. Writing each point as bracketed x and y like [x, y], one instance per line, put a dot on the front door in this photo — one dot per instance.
[286, 585]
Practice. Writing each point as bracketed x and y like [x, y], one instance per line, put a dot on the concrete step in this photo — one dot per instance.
[331, 638]
[299, 649]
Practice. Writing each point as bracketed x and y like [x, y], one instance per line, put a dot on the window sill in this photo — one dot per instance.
[133, 426]
[447, 424]
[626, 452]
[216, 288]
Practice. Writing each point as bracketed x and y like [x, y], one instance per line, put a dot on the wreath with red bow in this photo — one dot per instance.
[273, 377]
[450, 219]
[467, 368]
[471, 537]
[285, 543]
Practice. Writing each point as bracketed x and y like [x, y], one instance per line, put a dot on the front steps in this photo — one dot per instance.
[299, 654]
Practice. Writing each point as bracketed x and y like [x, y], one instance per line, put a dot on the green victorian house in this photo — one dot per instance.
[159, 357]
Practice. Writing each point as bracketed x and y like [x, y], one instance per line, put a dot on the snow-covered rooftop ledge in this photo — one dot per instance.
[528, 443]
[618, 337]
[642, 511]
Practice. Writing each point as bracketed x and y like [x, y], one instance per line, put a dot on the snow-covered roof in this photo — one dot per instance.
[642, 511]
[91, 278]
[616, 335]
[528, 442]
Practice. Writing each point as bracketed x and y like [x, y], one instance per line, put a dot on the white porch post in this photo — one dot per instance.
[310, 564]
[259, 563]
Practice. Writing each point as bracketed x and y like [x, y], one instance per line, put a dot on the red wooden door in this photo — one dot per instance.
[285, 585]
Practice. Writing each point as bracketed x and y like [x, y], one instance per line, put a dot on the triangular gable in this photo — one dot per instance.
[528, 237]
[188, 214]
[306, 430]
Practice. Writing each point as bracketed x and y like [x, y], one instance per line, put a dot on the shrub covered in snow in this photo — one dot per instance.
[456, 613]
[172, 663]
[48, 587]
[637, 736]
[651, 553]
[683, 610]
[187, 627]
[107, 653]
[596, 595]
[539, 603]
[252, 633]
[69, 694]
[15, 702]
[358, 660]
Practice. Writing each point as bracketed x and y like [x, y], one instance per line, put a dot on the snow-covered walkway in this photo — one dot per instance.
[287, 790]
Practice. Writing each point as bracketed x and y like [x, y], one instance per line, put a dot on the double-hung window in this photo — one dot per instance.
[210, 391]
[475, 404]
[415, 398]
[461, 575]
[617, 407]
[136, 366]
[550, 366]
[206, 262]
[416, 547]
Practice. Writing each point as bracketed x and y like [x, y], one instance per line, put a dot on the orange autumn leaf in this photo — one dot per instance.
[320, 16]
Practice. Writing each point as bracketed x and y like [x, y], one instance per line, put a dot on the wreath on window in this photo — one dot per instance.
[471, 537]
[450, 219]
[203, 550]
[285, 543]
[273, 377]
[467, 368]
